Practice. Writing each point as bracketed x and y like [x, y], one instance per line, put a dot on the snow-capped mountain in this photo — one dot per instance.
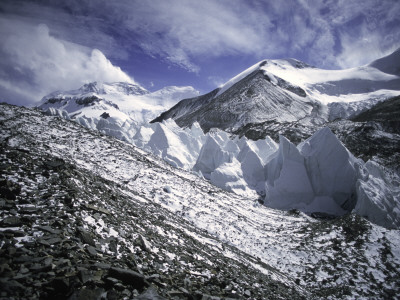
[120, 101]
[291, 95]
[87, 216]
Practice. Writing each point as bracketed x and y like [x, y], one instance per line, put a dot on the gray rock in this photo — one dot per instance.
[11, 222]
[86, 237]
[49, 229]
[92, 251]
[150, 294]
[87, 294]
[130, 277]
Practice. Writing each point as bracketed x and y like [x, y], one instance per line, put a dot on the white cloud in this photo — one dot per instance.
[354, 52]
[38, 63]
[217, 81]
[182, 31]
[353, 33]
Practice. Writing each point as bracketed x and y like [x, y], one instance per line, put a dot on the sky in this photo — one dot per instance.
[55, 45]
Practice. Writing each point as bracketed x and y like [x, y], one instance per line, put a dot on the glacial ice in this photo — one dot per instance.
[332, 169]
[167, 145]
[211, 157]
[319, 175]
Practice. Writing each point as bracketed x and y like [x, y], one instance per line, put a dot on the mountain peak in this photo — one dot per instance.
[125, 88]
[129, 88]
[92, 87]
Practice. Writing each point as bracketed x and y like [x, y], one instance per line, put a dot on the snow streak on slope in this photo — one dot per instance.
[345, 257]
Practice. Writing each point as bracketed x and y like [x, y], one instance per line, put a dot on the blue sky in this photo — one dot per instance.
[48, 45]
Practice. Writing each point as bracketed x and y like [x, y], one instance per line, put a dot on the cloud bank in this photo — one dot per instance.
[34, 63]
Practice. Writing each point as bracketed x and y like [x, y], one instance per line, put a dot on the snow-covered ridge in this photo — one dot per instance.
[377, 80]
[286, 91]
[122, 101]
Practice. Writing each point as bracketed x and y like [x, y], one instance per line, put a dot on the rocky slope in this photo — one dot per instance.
[374, 134]
[84, 215]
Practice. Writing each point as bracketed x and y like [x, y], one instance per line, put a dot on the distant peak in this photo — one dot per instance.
[298, 64]
[92, 87]
[130, 88]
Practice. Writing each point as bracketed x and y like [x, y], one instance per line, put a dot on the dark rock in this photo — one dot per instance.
[86, 237]
[112, 281]
[54, 240]
[85, 275]
[322, 215]
[175, 293]
[104, 266]
[11, 286]
[28, 210]
[150, 294]
[58, 288]
[11, 222]
[105, 115]
[9, 190]
[14, 233]
[55, 163]
[92, 251]
[113, 295]
[49, 229]
[130, 277]
[87, 294]
[43, 242]
[37, 268]
[97, 209]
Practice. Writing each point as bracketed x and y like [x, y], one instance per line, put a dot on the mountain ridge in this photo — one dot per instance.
[334, 88]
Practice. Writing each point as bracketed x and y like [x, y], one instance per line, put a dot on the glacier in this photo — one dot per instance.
[317, 176]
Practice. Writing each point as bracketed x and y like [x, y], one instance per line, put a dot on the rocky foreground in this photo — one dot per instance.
[85, 216]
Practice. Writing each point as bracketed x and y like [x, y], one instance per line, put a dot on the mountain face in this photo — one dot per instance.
[293, 99]
[85, 216]
[123, 102]
[289, 93]
[257, 97]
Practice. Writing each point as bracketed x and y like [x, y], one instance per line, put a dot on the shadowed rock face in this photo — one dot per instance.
[85, 215]
[253, 99]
